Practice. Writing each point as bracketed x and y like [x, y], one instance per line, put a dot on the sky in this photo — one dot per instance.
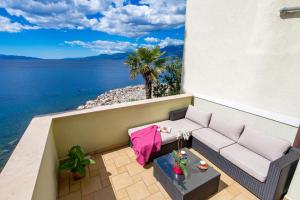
[80, 28]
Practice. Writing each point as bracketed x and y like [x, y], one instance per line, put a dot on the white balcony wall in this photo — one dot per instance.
[243, 52]
[104, 128]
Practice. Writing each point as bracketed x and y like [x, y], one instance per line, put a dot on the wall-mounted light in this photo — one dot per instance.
[290, 12]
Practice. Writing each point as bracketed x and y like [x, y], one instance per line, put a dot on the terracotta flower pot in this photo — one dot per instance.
[77, 176]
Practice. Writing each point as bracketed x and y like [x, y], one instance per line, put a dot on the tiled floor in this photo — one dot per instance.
[116, 175]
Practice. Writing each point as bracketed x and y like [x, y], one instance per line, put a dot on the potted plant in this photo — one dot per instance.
[76, 162]
[181, 161]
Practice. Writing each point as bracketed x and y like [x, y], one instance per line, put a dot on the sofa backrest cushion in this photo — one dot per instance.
[198, 116]
[267, 146]
[230, 129]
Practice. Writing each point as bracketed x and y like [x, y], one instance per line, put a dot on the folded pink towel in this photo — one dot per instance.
[144, 142]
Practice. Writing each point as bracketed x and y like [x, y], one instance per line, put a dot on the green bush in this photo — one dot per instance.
[170, 82]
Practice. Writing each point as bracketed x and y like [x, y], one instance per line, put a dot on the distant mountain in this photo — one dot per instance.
[102, 56]
[175, 51]
[13, 57]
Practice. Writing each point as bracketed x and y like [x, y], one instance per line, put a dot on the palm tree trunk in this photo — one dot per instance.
[148, 88]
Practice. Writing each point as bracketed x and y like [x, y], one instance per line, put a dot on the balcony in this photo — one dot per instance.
[116, 175]
[31, 172]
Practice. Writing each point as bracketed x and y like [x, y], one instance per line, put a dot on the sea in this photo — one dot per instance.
[31, 87]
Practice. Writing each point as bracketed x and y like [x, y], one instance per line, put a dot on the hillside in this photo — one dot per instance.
[176, 51]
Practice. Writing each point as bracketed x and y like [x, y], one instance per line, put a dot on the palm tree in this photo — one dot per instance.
[149, 63]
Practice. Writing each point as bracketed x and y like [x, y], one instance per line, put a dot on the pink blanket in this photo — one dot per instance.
[144, 142]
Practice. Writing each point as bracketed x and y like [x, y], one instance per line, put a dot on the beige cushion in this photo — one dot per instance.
[198, 116]
[252, 163]
[267, 146]
[178, 125]
[211, 138]
[230, 129]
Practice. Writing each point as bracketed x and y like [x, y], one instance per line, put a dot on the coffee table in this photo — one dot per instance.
[197, 185]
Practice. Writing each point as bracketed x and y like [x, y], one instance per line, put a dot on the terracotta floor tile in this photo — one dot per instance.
[136, 178]
[223, 195]
[147, 177]
[105, 182]
[233, 190]
[121, 181]
[94, 172]
[63, 187]
[121, 194]
[105, 194]
[240, 197]
[122, 152]
[122, 160]
[156, 196]
[162, 190]
[88, 197]
[153, 188]
[104, 174]
[227, 179]
[111, 169]
[121, 170]
[72, 196]
[134, 168]
[108, 162]
[137, 191]
[110, 155]
[75, 187]
[130, 152]
[91, 185]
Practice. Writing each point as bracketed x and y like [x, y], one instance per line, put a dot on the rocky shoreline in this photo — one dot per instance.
[120, 95]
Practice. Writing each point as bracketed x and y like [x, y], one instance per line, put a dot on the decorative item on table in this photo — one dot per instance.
[203, 165]
[180, 156]
[181, 137]
[76, 162]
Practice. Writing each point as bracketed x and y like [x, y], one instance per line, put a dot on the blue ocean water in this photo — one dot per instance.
[35, 87]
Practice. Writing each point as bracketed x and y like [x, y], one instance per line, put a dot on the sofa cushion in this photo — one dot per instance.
[267, 146]
[212, 139]
[230, 129]
[198, 116]
[250, 162]
[178, 125]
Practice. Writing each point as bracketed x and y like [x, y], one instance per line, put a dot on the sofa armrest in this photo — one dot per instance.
[282, 170]
[292, 156]
[177, 114]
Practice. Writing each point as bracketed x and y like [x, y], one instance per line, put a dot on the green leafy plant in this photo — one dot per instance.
[76, 162]
[182, 163]
[149, 63]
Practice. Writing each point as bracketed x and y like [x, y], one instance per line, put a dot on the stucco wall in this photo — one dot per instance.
[106, 127]
[243, 51]
[30, 171]
[46, 183]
